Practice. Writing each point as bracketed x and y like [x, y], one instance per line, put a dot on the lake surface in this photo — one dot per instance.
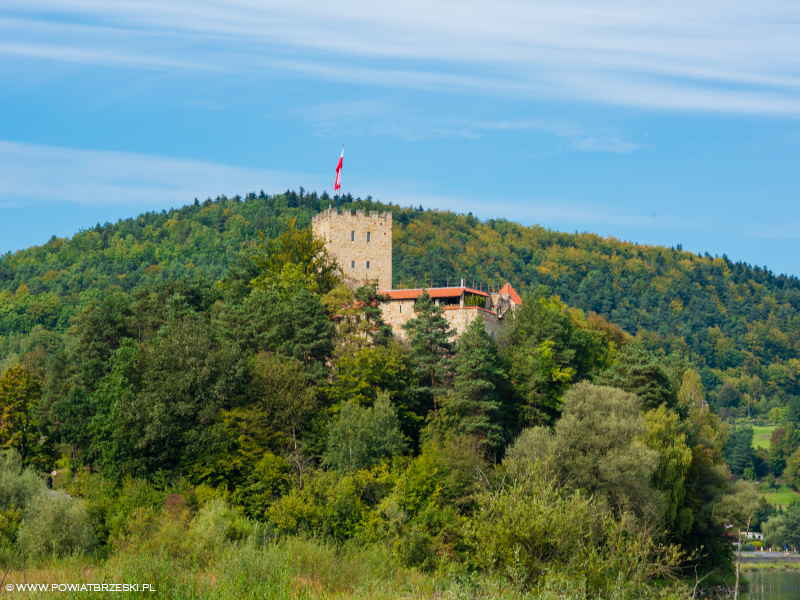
[773, 585]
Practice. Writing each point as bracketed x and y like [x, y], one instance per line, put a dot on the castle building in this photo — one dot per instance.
[362, 245]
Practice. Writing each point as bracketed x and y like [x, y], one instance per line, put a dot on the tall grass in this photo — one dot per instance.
[295, 569]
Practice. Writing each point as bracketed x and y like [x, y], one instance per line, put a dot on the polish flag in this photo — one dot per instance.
[338, 185]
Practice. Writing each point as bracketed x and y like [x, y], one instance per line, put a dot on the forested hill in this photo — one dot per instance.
[741, 323]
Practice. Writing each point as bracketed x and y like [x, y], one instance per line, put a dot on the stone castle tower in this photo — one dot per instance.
[361, 244]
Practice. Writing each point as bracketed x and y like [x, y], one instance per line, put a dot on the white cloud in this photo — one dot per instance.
[378, 117]
[737, 55]
[44, 174]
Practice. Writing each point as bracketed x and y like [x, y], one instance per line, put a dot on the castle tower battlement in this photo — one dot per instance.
[360, 242]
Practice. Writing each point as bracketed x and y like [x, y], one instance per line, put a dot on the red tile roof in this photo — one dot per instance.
[507, 289]
[447, 292]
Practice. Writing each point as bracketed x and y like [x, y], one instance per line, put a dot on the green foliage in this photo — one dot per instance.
[190, 375]
[294, 326]
[298, 247]
[56, 525]
[431, 346]
[597, 445]
[18, 485]
[282, 393]
[564, 532]
[738, 452]
[548, 347]
[19, 428]
[637, 372]
[664, 435]
[475, 406]
[183, 344]
[362, 437]
[362, 376]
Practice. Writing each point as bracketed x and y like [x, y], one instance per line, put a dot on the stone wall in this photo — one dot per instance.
[397, 312]
[361, 243]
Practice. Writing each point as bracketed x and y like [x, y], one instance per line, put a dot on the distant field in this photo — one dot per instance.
[783, 497]
[761, 436]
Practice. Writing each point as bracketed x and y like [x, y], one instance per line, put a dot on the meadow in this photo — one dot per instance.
[761, 435]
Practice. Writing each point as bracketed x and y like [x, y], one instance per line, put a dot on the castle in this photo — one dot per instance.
[362, 245]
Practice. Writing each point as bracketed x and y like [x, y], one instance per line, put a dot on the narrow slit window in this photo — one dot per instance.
[352, 264]
[352, 236]
[368, 236]
[368, 264]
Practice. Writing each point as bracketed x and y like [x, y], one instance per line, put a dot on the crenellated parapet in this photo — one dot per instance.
[360, 242]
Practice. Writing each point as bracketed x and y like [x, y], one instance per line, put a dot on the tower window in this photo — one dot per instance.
[352, 236]
[368, 236]
[352, 264]
[368, 264]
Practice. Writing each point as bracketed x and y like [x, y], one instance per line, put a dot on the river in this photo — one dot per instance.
[773, 585]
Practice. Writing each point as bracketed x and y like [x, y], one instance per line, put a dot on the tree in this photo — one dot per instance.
[99, 330]
[738, 450]
[728, 395]
[431, 346]
[639, 373]
[19, 393]
[475, 404]
[596, 445]
[298, 246]
[664, 435]
[691, 392]
[359, 318]
[548, 347]
[243, 463]
[361, 437]
[280, 388]
[189, 375]
[361, 377]
[294, 326]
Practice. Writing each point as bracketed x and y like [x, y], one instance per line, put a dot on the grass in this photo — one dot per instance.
[771, 566]
[761, 435]
[782, 497]
[297, 570]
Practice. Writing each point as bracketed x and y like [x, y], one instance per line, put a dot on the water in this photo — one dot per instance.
[773, 585]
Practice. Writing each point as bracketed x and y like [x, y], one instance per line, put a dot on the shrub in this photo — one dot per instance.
[18, 486]
[56, 525]
[217, 523]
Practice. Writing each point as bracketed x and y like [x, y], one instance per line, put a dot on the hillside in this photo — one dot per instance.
[740, 323]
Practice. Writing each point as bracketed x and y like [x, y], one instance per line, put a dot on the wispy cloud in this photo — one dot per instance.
[736, 56]
[382, 117]
[44, 174]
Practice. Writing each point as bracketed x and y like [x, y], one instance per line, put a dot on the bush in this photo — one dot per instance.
[217, 523]
[18, 486]
[530, 527]
[56, 525]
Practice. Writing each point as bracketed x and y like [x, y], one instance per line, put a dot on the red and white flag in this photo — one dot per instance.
[338, 185]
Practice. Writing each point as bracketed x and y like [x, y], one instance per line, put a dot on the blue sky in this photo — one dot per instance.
[656, 122]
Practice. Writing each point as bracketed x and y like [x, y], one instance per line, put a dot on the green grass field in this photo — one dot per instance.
[783, 497]
[761, 436]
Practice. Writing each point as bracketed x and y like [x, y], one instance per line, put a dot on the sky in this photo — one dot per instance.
[657, 122]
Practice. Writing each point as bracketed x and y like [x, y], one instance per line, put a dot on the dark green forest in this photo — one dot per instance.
[205, 368]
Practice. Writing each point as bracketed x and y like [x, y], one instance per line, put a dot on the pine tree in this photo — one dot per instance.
[475, 405]
[638, 372]
[431, 348]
